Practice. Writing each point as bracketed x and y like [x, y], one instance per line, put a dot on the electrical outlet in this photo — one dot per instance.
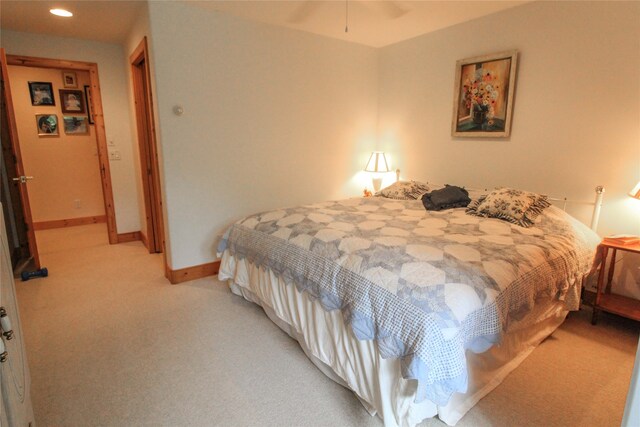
[77, 204]
[114, 155]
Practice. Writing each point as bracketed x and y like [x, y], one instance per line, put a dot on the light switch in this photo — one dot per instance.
[114, 155]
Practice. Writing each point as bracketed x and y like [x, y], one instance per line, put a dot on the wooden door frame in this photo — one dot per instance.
[98, 118]
[15, 146]
[145, 123]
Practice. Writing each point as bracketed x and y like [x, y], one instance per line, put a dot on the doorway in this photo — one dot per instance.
[95, 113]
[153, 237]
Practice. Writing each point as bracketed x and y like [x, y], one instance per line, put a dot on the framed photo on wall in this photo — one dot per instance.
[41, 93]
[483, 95]
[89, 99]
[75, 125]
[47, 124]
[72, 101]
[69, 79]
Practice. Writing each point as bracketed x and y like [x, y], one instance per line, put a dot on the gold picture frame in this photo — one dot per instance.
[47, 125]
[75, 125]
[483, 95]
[69, 79]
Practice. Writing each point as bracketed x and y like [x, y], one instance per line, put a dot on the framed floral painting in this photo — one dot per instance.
[483, 95]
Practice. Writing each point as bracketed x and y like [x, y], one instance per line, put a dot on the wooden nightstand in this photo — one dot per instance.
[605, 300]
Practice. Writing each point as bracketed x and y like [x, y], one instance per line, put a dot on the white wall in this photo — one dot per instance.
[272, 117]
[111, 62]
[576, 110]
[576, 118]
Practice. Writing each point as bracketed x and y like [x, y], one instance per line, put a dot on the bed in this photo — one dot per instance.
[420, 313]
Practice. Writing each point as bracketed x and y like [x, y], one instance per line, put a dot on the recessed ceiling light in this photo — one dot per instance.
[61, 12]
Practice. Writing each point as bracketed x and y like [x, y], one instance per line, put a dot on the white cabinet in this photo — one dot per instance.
[16, 407]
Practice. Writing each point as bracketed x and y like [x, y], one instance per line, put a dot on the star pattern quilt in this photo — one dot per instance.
[427, 286]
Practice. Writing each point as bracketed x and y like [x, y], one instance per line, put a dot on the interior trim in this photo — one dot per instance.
[147, 145]
[69, 222]
[132, 236]
[143, 239]
[192, 273]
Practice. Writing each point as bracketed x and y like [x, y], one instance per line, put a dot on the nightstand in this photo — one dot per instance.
[605, 300]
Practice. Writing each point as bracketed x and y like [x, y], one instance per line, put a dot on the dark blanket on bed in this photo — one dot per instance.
[446, 198]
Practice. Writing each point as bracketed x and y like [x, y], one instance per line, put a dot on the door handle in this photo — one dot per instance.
[3, 353]
[5, 324]
[23, 179]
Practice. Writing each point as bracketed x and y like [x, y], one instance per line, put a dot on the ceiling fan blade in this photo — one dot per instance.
[391, 9]
[303, 12]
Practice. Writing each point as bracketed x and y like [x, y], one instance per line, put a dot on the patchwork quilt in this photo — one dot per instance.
[427, 286]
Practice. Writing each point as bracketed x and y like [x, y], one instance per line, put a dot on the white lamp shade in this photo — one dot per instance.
[377, 162]
[635, 193]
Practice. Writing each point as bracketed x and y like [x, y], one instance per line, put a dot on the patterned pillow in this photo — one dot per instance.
[404, 190]
[516, 206]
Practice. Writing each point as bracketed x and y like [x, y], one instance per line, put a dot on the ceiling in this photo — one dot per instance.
[93, 20]
[372, 23]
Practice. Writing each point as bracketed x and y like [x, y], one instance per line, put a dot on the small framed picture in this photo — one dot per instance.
[75, 125]
[89, 99]
[69, 79]
[72, 101]
[41, 93]
[47, 124]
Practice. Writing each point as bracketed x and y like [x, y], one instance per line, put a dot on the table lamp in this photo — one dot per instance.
[635, 193]
[377, 164]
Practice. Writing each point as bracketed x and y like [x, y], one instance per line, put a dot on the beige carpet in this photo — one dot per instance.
[111, 343]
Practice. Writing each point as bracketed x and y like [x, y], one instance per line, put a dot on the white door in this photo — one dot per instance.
[14, 373]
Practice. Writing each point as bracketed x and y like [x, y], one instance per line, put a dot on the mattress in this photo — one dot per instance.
[421, 291]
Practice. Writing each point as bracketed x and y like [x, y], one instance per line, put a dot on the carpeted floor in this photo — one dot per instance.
[111, 343]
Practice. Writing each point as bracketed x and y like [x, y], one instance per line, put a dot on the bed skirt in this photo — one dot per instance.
[358, 365]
